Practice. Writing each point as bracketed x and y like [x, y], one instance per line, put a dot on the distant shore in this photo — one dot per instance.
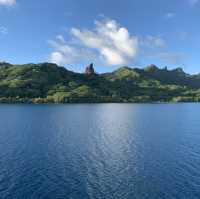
[49, 83]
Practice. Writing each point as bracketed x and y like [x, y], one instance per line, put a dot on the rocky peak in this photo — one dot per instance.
[151, 68]
[179, 70]
[90, 70]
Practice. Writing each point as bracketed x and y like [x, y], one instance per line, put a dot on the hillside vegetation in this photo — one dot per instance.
[49, 83]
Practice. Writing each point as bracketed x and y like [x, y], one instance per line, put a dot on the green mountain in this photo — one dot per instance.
[49, 83]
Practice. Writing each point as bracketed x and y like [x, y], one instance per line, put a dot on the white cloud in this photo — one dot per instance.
[67, 54]
[108, 42]
[63, 53]
[60, 38]
[3, 30]
[57, 57]
[7, 2]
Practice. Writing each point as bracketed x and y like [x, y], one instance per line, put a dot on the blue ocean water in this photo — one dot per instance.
[100, 151]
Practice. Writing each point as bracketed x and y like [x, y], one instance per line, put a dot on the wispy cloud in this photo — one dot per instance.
[171, 58]
[65, 53]
[152, 42]
[3, 30]
[108, 42]
[157, 48]
[193, 2]
[169, 15]
[7, 2]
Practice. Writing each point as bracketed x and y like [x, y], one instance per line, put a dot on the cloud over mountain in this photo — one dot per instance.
[111, 44]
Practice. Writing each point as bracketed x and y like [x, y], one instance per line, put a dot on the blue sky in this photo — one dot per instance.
[110, 33]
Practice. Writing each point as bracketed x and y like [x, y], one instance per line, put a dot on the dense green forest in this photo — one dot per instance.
[49, 83]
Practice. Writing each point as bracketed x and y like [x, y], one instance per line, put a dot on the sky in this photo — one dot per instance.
[108, 33]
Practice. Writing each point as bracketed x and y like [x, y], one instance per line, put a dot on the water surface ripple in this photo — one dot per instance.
[100, 151]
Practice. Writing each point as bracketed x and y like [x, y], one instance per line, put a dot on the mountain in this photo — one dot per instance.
[49, 83]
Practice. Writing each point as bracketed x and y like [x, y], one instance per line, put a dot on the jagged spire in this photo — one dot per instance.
[90, 69]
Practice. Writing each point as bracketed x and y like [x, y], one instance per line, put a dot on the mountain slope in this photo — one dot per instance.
[46, 82]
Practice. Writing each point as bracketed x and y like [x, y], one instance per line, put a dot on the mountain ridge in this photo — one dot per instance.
[50, 83]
